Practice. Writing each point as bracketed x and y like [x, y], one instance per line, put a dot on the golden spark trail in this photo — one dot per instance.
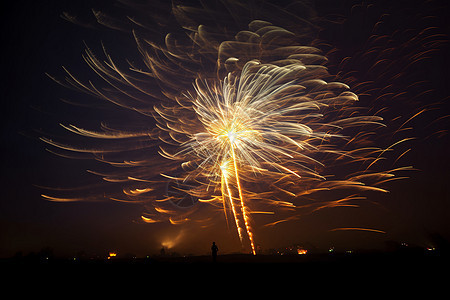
[233, 209]
[244, 214]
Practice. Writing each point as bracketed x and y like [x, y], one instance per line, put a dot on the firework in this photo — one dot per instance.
[249, 123]
[269, 124]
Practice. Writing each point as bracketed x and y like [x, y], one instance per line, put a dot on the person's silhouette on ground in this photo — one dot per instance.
[214, 250]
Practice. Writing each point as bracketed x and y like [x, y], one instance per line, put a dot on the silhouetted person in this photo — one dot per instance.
[214, 250]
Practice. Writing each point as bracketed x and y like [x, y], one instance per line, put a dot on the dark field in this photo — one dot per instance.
[395, 260]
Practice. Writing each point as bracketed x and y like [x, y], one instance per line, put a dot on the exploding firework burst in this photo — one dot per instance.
[244, 123]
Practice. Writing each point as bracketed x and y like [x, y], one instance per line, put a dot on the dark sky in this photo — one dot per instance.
[36, 40]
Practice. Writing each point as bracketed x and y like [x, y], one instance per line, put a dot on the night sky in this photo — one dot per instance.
[36, 40]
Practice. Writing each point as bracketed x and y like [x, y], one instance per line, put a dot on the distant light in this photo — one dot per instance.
[331, 250]
[302, 251]
[112, 254]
